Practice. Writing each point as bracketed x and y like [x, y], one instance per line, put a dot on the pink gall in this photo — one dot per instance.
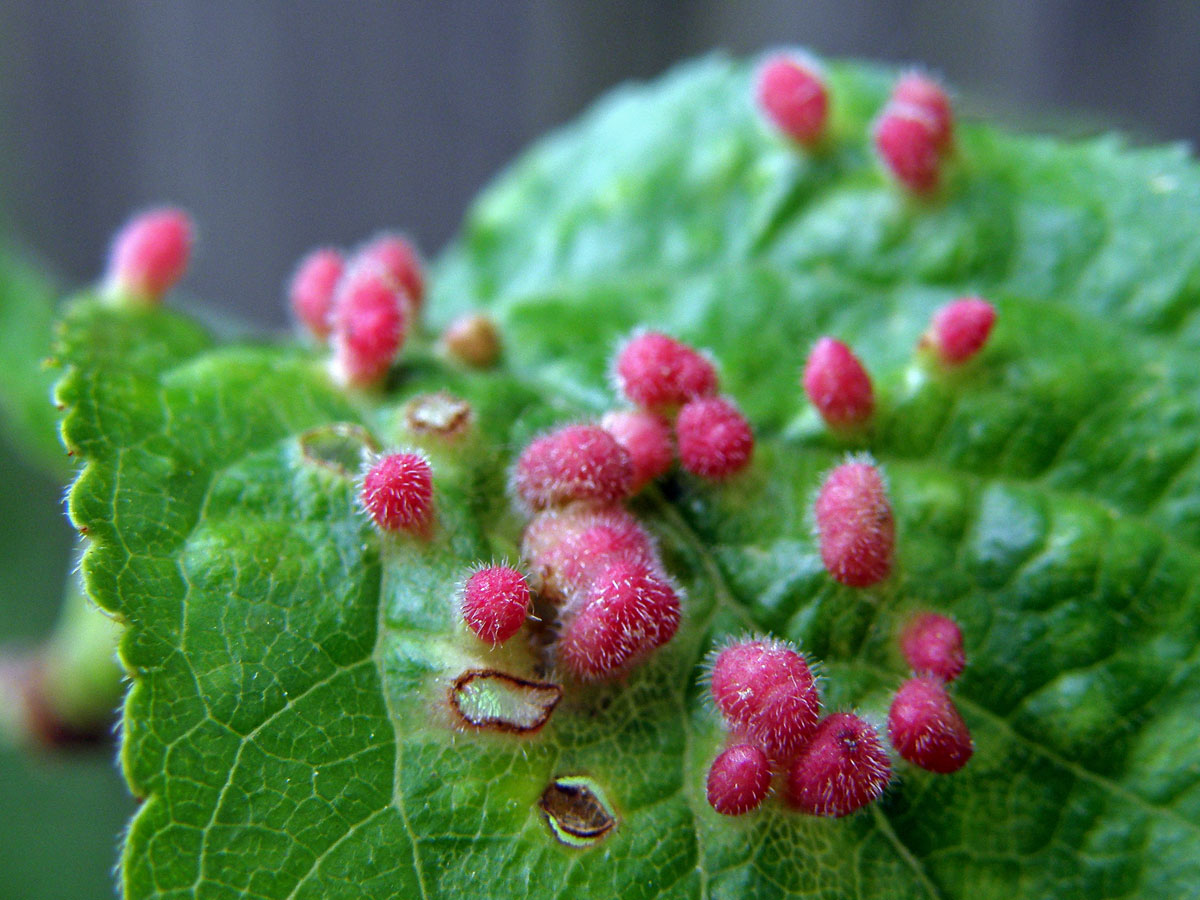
[370, 324]
[739, 780]
[401, 264]
[960, 329]
[149, 255]
[844, 768]
[906, 139]
[660, 373]
[577, 462]
[495, 601]
[919, 90]
[311, 290]
[838, 385]
[766, 691]
[792, 94]
[569, 548]
[647, 440]
[397, 492]
[933, 645]
[855, 525]
[926, 727]
[629, 610]
[714, 438]
[745, 671]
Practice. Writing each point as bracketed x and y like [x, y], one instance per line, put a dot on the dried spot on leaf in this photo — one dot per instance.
[342, 447]
[577, 811]
[440, 415]
[494, 701]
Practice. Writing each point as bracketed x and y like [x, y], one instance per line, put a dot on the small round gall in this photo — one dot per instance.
[568, 548]
[739, 780]
[933, 645]
[660, 374]
[792, 94]
[838, 385]
[472, 340]
[399, 260]
[917, 89]
[744, 672]
[855, 526]
[714, 438]
[844, 768]
[906, 139]
[960, 329]
[369, 326]
[577, 462]
[926, 728]
[495, 601]
[149, 255]
[647, 440]
[766, 691]
[397, 492]
[311, 290]
[629, 611]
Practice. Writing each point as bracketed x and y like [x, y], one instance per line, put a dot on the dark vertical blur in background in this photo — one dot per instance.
[284, 125]
[281, 125]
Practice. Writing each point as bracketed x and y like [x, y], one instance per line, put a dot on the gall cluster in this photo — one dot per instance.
[366, 305]
[671, 382]
[915, 131]
[586, 556]
[913, 134]
[590, 560]
[834, 765]
[768, 697]
[924, 725]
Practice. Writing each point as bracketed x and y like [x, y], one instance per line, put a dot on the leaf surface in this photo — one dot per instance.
[289, 724]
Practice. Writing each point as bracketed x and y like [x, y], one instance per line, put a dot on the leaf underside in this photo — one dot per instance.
[288, 724]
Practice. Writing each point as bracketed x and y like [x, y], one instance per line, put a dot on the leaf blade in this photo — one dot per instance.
[291, 720]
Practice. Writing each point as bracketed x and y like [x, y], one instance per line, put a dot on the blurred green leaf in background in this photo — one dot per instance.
[62, 809]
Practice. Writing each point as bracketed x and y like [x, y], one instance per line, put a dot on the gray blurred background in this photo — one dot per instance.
[282, 125]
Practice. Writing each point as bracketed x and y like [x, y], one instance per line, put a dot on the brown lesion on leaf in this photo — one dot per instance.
[440, 415]
[490, 700]
[577, 811]
[341, 447]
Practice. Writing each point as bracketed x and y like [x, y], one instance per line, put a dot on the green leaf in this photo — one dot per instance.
[290, 725]
[26, 317]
